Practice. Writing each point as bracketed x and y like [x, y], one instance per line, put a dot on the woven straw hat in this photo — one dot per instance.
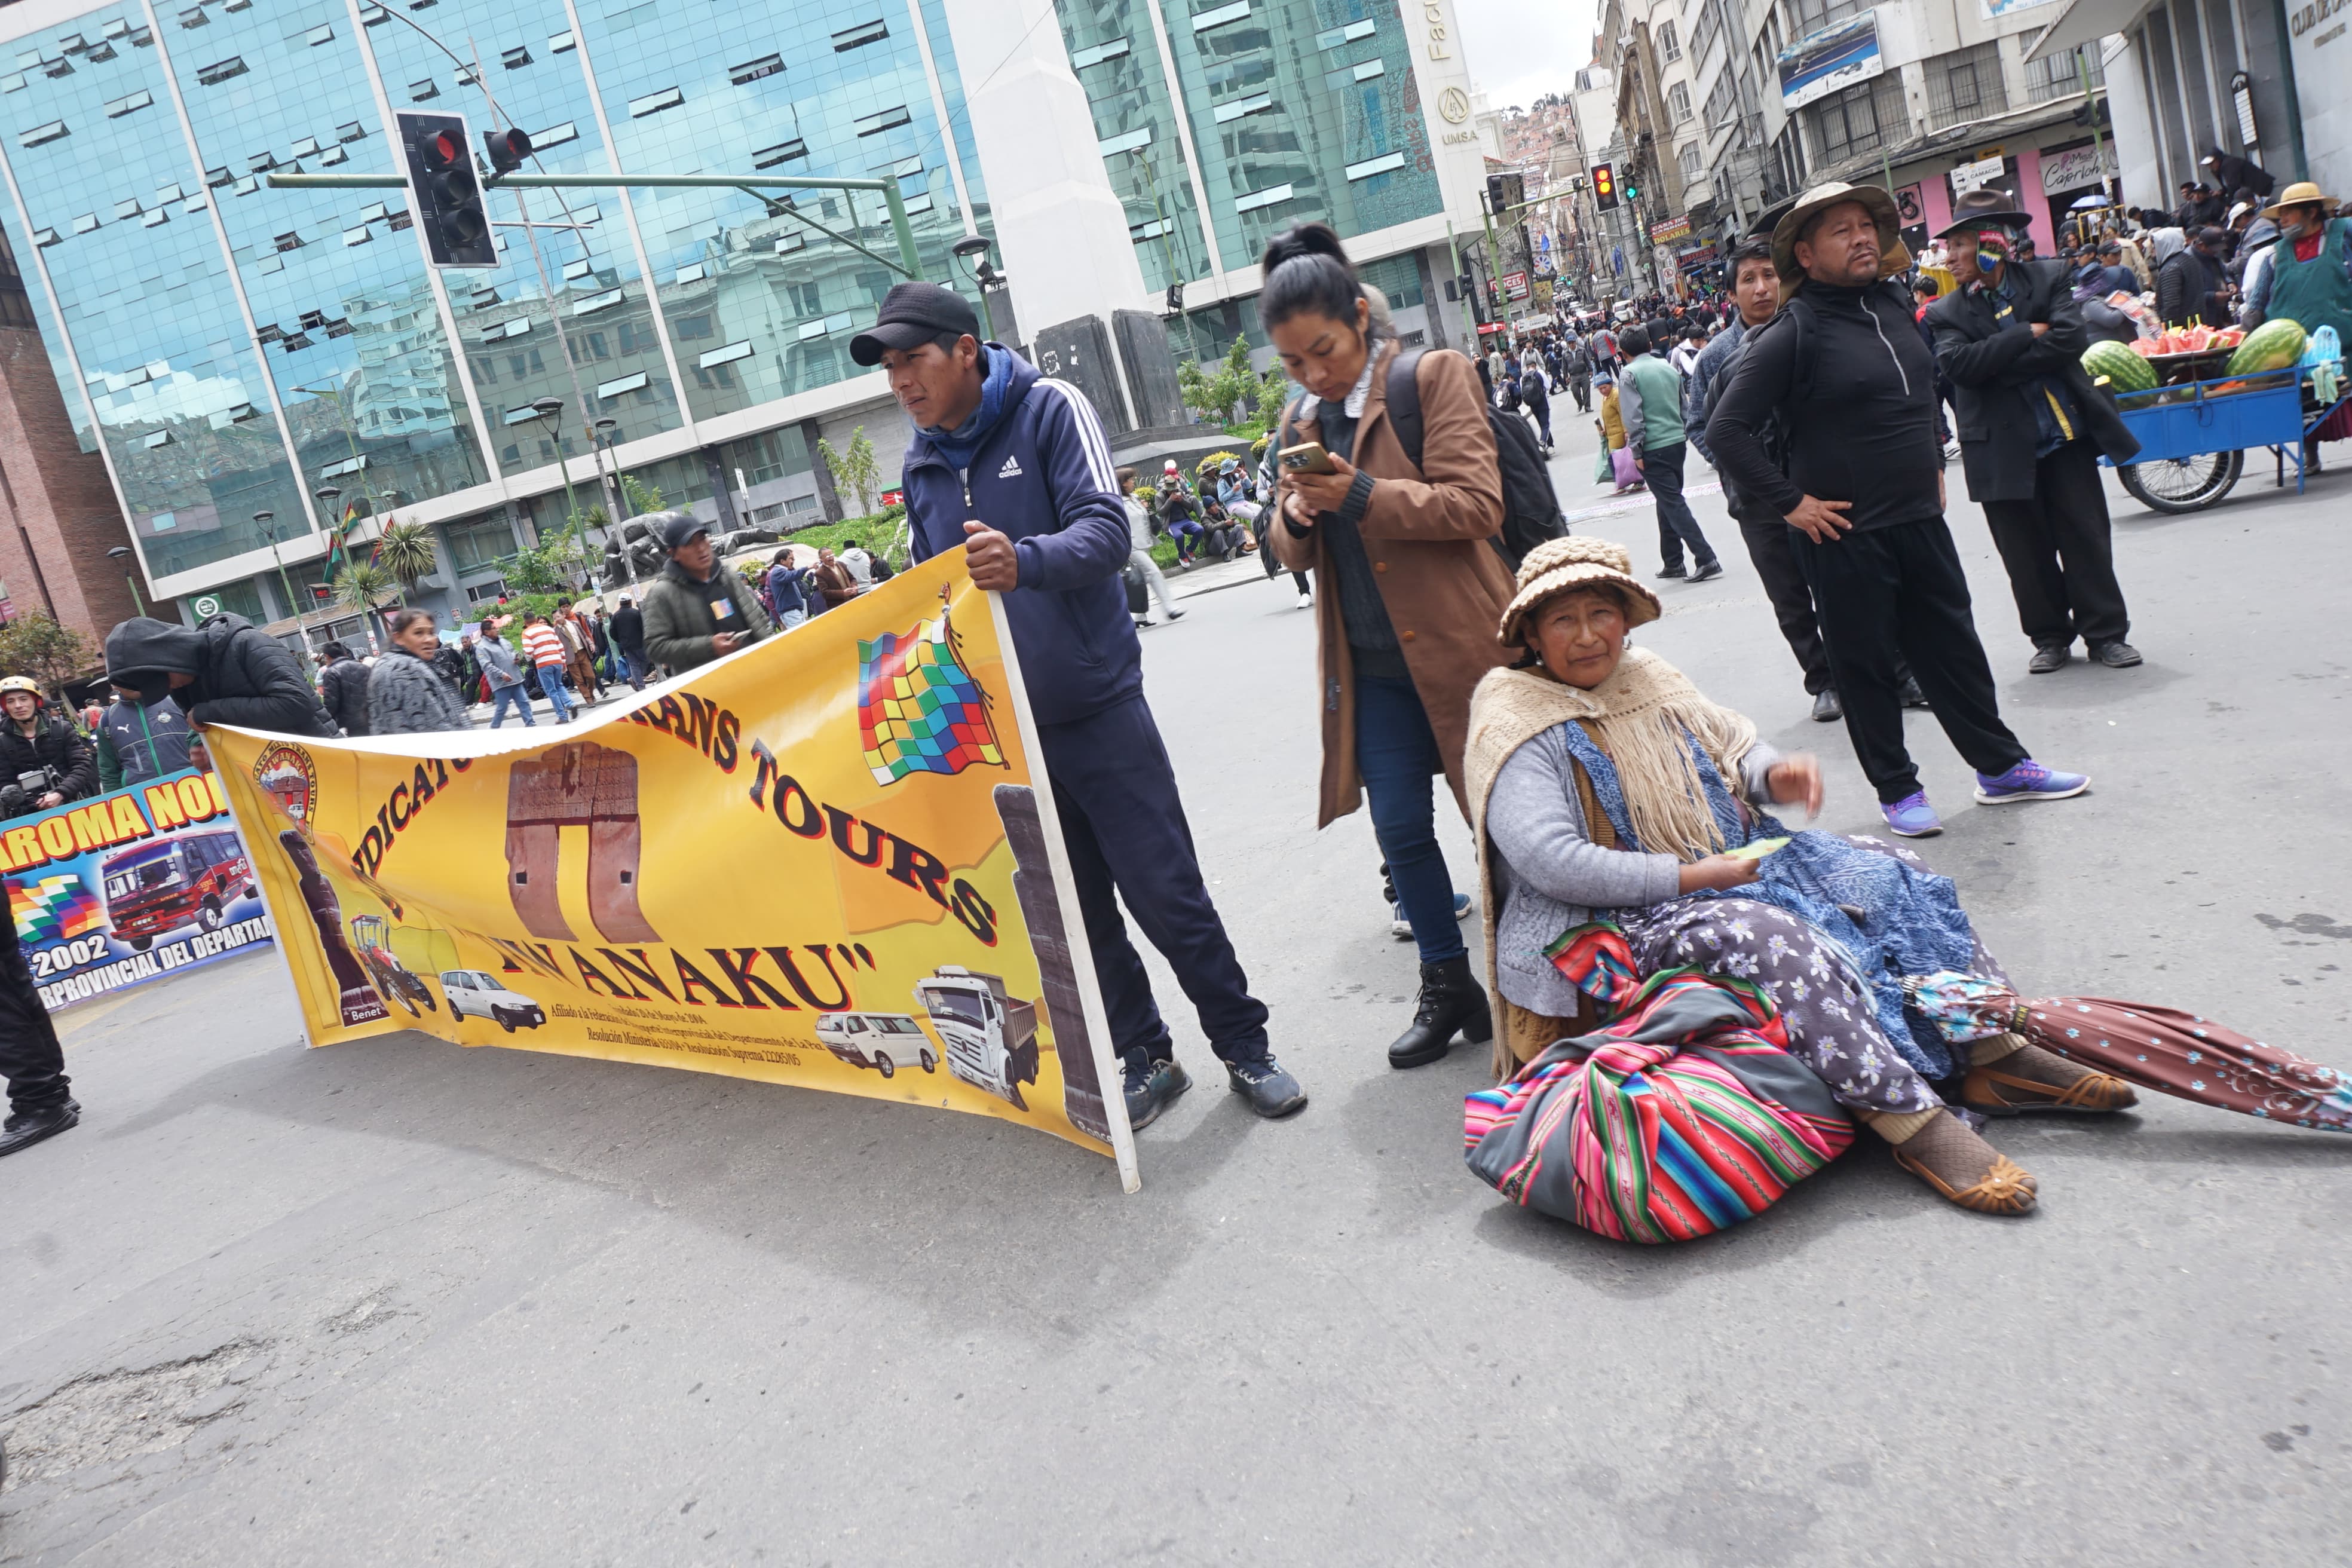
[1875, 200]
[2296, 195]
[1577, 561]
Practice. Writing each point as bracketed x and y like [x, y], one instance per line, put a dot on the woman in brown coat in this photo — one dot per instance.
[1408, 585]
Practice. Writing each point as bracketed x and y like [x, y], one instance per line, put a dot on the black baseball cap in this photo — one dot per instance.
[677, 527]
[913, 314]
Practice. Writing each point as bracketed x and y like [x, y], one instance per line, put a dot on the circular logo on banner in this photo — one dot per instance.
[1455, 104]
[206, 607]
[290, 777]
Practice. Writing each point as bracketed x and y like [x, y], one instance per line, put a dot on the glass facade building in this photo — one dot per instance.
[233, 349]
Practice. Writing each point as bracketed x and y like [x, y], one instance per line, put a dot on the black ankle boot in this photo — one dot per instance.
[1451, 1000]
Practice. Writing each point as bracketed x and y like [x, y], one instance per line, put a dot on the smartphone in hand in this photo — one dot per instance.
[1308, 458]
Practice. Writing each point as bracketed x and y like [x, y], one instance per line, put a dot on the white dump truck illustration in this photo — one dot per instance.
[883, 1041]
[990, 1037]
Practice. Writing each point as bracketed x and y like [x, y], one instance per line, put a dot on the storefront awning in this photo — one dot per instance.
[2085, 21]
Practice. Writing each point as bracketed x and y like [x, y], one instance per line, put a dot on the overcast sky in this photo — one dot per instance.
[1520, 49]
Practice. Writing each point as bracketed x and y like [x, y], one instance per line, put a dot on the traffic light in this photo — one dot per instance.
[1498, 199]
[1633, 191]
[506, 150]
[1605, 186]
[446, 190]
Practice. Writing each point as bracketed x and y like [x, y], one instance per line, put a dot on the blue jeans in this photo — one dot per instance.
[505, 697]
[1186, 535]
[550, 681]
[1397, 755]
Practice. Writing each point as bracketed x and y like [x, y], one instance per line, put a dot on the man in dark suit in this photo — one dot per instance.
[2032, 428]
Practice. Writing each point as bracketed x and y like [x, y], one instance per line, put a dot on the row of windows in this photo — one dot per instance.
[346, 335]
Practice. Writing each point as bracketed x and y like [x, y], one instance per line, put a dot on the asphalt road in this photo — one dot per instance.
[402, 1303]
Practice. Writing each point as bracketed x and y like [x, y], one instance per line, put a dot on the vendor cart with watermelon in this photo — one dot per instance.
[2198, 400]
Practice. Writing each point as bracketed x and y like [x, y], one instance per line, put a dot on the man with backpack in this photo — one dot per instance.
[1649, 402]
[1576, 369]
[1844, 371]
[1536, 397]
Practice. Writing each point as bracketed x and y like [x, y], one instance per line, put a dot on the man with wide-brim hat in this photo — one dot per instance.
[1800, 215]
[2307, 280]
[1845, 376]
[2033, 429]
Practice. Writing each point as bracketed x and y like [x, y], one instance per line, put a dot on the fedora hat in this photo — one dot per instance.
[1575, 561]
[1821, 198]
[2298, 195]
[1982, 207]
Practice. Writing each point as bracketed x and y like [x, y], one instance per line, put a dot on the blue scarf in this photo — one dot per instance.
[1910, 920]
[959, 446]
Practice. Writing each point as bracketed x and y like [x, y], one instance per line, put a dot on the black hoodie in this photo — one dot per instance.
[243, 676]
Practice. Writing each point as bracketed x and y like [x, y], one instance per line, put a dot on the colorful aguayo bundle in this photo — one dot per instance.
[2161, 1048]
[1683, 1116]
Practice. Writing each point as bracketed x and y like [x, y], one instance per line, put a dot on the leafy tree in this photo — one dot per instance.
[534, 571]
[38, 647]
[406, 551]
[855, 473]
[641, 497]
[1232, 394]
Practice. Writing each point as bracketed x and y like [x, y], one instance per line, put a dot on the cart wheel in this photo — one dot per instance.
[2183, 484]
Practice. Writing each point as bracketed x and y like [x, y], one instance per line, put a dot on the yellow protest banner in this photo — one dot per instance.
[829, 860]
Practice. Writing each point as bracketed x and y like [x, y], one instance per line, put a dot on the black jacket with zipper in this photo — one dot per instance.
[1859, 413]
[53, 745]
[1995, 368]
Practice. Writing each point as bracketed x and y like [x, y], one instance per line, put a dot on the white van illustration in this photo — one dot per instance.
[990, 1037]
[478, 993]
[883, 1041]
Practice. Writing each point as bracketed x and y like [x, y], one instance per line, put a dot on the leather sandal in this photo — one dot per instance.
[2003, 1188]
[2032, 1079]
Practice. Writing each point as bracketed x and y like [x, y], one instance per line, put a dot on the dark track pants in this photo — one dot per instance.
[1662, 467]
[1775, 558]
[2060, 552]
[1124, 824]
[30, 1057]
[1899, 591]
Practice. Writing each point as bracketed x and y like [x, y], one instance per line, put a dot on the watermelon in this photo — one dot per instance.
[2273, 345]
[2125, 370]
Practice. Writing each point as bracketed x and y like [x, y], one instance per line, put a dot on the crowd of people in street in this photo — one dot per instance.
[1462, 632]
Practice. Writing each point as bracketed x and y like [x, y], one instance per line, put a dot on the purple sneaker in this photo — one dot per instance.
[1912, 816]
[2029, 781]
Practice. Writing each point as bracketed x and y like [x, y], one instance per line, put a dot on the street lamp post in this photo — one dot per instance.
[328, 496]
[122, 552]
[603, 434]
[551, 409]
[266, 522]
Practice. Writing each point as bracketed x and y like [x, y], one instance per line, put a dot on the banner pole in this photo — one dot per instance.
[277, 926]
[1065, 893]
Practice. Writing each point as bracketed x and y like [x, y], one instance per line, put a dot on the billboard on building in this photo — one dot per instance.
[1666, 230]
[1836, 56]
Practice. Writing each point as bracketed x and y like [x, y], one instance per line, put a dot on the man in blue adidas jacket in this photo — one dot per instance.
[1014, 467]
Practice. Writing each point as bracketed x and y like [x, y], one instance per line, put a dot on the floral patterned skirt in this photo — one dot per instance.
[1832, 1024]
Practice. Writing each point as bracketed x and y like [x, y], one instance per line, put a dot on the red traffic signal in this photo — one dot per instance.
[448, 191]
[506, 150]
[1605, 186]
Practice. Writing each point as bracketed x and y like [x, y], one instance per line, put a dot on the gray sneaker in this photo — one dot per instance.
[1152, 1088]
[1271, 1092]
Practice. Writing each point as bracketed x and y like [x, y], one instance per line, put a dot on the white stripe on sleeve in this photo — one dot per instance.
[1091, 438]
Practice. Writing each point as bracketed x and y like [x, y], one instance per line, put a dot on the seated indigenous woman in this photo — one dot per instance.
[1607, 789]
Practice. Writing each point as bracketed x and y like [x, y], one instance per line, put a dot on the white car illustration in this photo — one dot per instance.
[477, 993]
[883, 1041]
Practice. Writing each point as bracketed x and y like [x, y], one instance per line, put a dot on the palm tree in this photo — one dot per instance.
[406, 551]
[360, 584]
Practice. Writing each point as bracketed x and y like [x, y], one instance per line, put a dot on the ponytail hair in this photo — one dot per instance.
[400, 620]
[1308, 272]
